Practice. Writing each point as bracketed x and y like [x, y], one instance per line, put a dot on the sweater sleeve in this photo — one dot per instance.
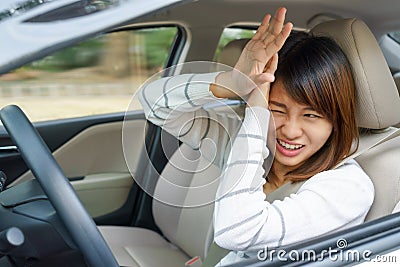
[244, 220]
[177, 104]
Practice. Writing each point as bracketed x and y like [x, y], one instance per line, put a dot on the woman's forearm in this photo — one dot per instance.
[176, 104]
[223, 87]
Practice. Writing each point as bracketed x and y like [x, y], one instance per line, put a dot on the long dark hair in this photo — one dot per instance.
[316, 72]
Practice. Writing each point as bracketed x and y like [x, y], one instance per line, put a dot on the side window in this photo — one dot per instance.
[94, 77]
[230, 34]
[395, 36]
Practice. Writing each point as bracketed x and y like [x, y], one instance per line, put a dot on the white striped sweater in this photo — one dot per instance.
[243, 220]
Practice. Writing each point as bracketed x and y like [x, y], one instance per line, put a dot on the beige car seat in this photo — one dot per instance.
[188, 231]
[378, 108]
[396, 78]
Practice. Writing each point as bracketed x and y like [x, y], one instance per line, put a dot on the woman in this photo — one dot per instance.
[309, 90]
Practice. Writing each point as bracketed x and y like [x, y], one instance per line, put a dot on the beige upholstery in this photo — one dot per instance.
[378, 102]
[141, 247]
[396, 208]
[231, 52]
[382, 165]
[396, 78]
[190, 228]
[378, 107]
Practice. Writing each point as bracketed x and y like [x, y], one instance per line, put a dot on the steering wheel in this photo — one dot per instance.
[56, 186]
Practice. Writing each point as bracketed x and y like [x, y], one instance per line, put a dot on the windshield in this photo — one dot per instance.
[8, 10]
[32, 22]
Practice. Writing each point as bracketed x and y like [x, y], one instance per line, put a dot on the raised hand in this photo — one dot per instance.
[268, 40]
[258, 60]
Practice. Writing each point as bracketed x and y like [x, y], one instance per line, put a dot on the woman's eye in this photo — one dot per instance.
[277, 111]
[313, 116]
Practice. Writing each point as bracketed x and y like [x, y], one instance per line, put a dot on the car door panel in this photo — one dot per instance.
[92, 159]
[55, 133]
[103, 193]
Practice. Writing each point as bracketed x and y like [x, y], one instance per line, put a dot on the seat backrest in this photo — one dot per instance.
[231, 51]
[183, 206]
[378, 107]
[396, 78]
[382, 165]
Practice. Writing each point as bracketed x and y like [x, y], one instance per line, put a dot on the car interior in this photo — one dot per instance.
[143, 231]
[188, 231]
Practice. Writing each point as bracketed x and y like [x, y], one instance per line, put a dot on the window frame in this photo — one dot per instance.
[390, 35]
[175, 52]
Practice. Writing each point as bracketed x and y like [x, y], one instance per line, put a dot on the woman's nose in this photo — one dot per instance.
[291, 129]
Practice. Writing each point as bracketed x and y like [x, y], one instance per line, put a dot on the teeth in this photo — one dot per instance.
[288, 146]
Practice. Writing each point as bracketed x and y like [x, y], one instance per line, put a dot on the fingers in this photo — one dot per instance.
[275, 26]
[269, 30]
[276, 43]
[261, 54]
[262, 28]
[266, 77]
[280, 39]
[272, 64]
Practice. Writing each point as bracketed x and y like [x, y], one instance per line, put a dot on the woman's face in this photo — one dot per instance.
[300, 130]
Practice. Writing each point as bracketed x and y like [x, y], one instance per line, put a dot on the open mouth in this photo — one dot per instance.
[289, 146]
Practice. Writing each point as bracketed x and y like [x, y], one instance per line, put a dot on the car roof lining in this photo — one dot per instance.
[379, 15]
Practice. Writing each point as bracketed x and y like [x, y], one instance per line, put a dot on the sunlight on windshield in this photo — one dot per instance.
[98, 76]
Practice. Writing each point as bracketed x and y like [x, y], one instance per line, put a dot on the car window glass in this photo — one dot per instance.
[395, 36]
[94, 77]
[230, 34]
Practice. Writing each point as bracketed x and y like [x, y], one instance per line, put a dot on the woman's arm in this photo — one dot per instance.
[176, 104]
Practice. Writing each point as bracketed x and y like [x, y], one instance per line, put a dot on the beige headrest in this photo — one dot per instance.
[231, 52]
[378, 101]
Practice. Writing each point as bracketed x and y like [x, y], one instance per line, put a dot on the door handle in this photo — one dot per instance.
[9, 149]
